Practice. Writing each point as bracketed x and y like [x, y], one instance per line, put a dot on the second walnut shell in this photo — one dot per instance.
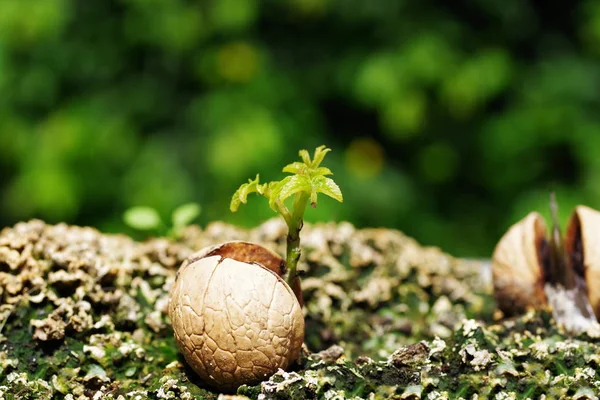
[520, 262]
[582, 243]
[517, 269]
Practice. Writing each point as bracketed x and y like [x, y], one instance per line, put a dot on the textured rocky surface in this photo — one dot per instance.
[83, 315]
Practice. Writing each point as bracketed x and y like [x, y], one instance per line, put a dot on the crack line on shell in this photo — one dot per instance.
[231, 325]
[207, 286]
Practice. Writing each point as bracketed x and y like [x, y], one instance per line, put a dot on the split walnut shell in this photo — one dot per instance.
[521, 261]
[235, 320]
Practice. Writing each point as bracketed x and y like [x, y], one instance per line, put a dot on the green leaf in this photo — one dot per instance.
[328, 187]
[295, 168]
[294, 184]
[287, 187]
[321, 171]
[320, 153]
[241, 195]
[307, 178]
[272, 192]
[275, 190]
[305, 157]
[185, 214]
[142, 218]
[302, 169]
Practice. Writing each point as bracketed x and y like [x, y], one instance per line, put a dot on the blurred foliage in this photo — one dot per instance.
[448, 121]
[144, 218]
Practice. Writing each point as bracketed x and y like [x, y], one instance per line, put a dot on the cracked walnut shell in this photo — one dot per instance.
[517, 270]
[521, 264]
[235, 320]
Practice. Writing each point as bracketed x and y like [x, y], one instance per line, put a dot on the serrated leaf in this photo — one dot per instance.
[142, 218]
[268, 188]
[287, 187]
[272, 191]
[305, 157]
[307, 178]
[296, 168]
[321, 171]
[328, 187]
[320, 153]
[273, 198]
[235, 202]
[275, 189]
[294, 184]
[185, 214]
[241, 195]
[262, 189]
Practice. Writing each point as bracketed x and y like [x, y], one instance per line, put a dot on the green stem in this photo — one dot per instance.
[293, 239]
[285, 213]
[560, 272]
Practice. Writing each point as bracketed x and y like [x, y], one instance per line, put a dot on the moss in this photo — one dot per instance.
[413, 322]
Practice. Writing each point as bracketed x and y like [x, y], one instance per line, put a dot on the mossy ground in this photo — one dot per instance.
[83, 315]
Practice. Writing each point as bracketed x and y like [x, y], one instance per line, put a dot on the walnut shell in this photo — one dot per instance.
[521, 261]
[235, 322]
[582, 243]
[249, 252]
[517, 270]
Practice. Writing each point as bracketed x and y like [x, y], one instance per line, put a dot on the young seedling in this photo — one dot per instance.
[148, 219]
[307, 180]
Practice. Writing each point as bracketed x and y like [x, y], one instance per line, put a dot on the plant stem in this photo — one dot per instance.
[293, 238]
[560, 272]
[285, 213]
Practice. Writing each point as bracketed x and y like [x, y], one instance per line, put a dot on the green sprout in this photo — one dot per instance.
[148, 219]
[307, 180]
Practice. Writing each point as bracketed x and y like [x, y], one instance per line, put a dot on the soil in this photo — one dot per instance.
[84, 315]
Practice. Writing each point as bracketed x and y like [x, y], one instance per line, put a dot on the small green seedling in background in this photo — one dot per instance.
[307, 180]
[148, 219]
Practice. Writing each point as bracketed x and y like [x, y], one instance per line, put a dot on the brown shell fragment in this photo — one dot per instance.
[582, 243]
[235, 322]
[517, 266]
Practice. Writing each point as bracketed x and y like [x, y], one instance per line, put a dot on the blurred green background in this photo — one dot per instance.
[448, 121]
